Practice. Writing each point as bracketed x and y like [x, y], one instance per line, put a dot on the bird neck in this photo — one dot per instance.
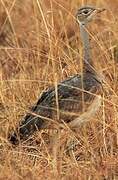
[88, 65]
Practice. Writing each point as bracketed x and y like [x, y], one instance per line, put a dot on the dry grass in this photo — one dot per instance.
[39, 46]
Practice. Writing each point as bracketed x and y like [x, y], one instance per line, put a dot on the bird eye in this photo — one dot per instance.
[85, 12]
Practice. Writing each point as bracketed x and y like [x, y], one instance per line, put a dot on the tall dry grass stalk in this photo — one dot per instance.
[39, 47]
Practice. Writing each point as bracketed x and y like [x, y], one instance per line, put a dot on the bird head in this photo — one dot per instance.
[87, 13]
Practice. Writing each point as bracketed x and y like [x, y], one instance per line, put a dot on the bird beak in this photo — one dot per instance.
[99, 10]
[95, 14]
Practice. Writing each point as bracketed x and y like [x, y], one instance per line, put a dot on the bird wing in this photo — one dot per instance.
[72, 97]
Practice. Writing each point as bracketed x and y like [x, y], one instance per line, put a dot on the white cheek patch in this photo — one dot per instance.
[92, 15]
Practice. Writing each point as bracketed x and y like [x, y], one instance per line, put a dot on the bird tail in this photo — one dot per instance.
[26, 128]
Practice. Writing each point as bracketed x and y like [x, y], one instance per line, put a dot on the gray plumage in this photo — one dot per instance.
[74, 95]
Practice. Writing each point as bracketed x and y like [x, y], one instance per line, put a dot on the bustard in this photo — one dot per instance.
[73, 94]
